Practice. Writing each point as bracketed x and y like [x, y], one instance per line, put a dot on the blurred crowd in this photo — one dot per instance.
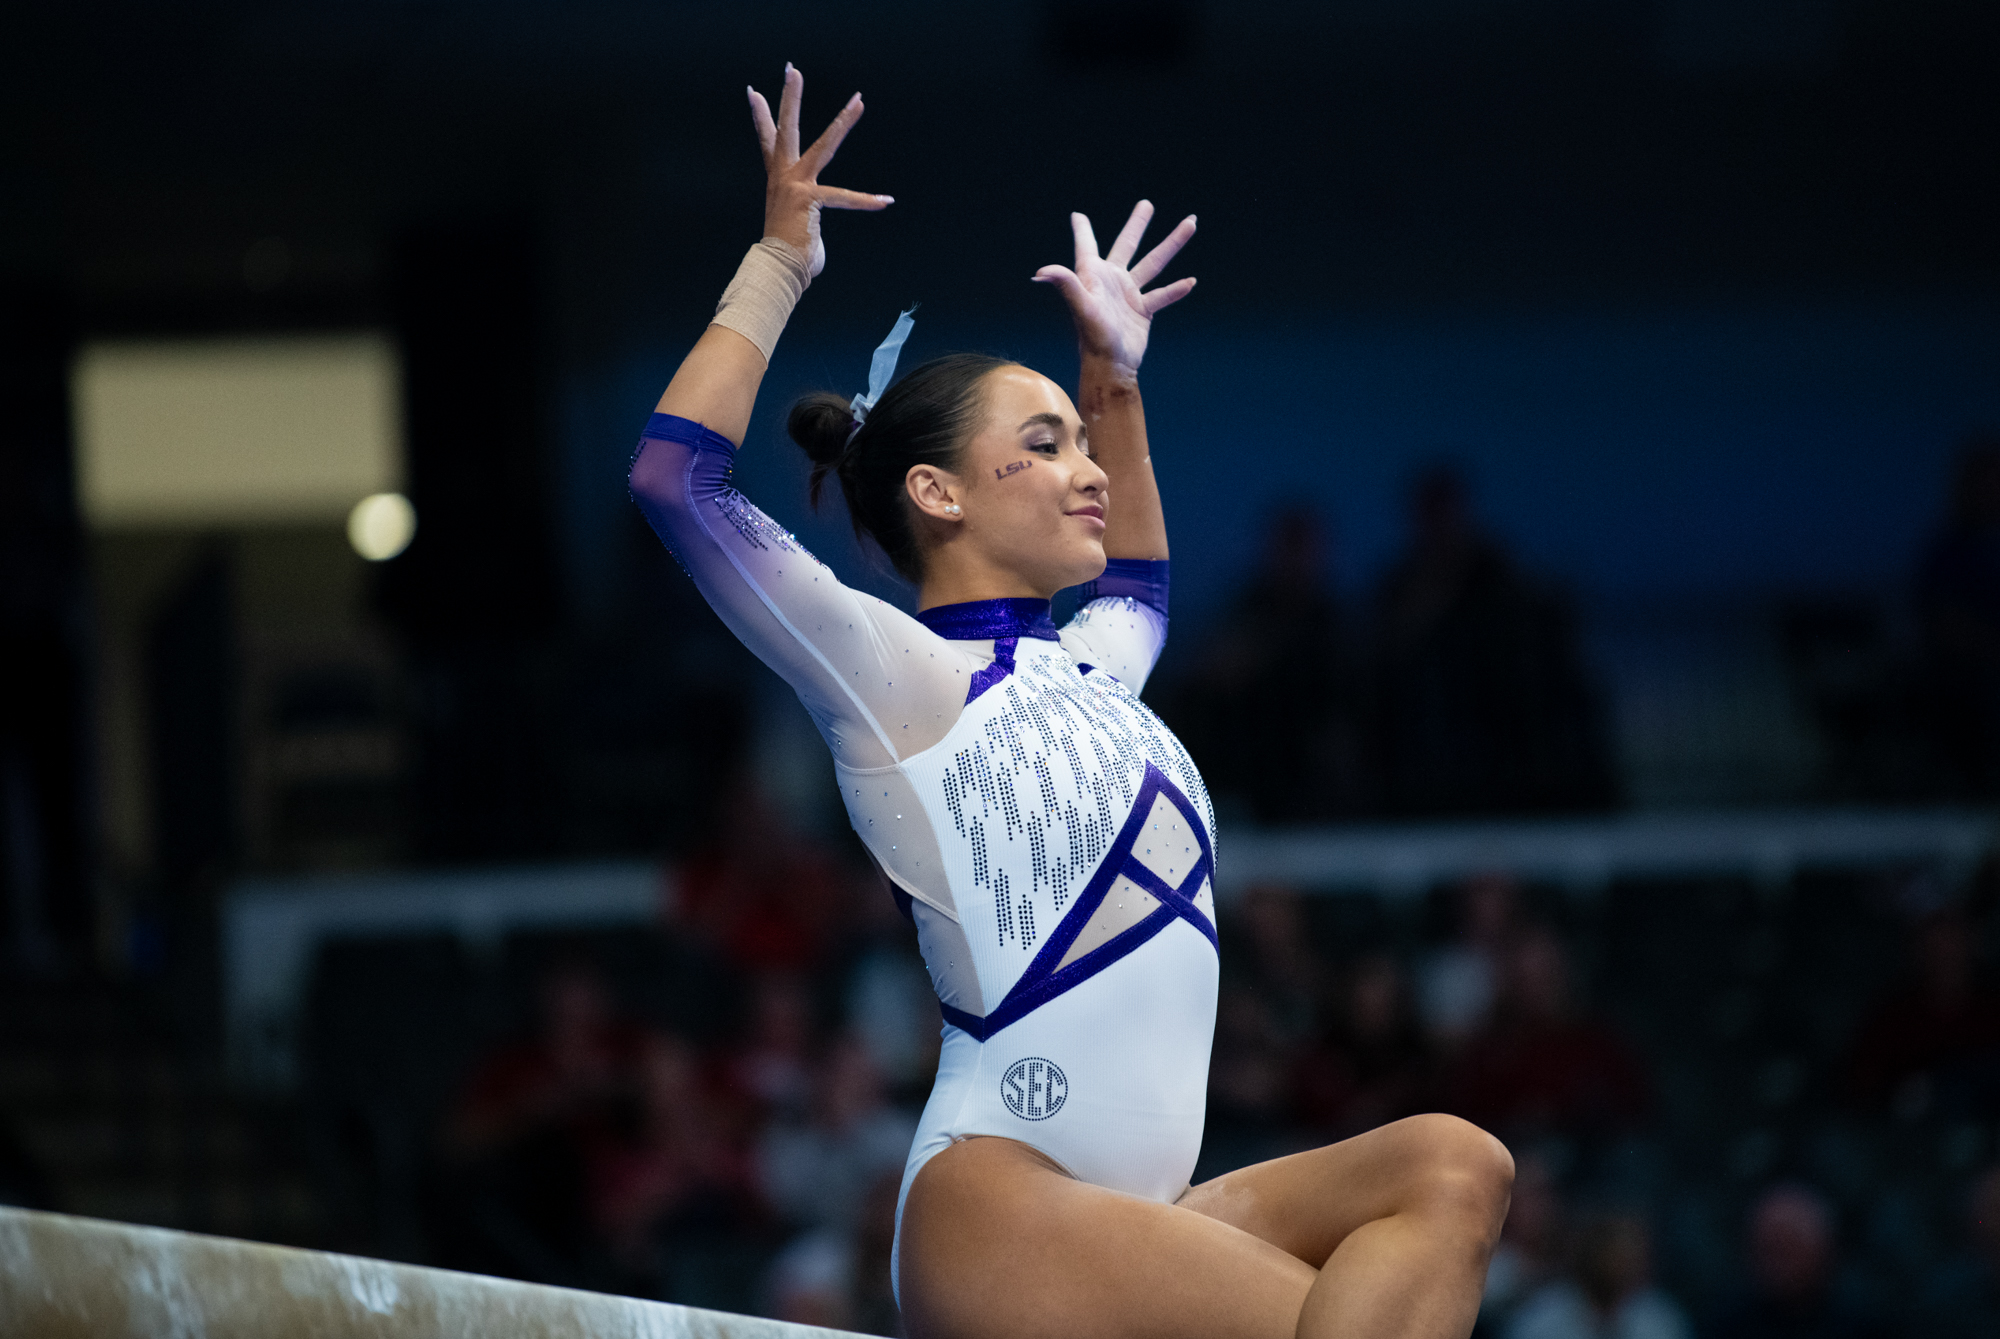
[1458, 685]
[749, 1162]
[1486, 1020]
[1461, 691]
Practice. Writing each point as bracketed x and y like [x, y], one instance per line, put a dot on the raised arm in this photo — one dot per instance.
[851, 658]
[717, 383]
[1113, 317]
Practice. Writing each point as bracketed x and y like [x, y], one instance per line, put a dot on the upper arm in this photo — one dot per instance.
[879, 684]
[1122, 624]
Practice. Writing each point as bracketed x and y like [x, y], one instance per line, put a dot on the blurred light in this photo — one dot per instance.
[381, 526]
[276, 430]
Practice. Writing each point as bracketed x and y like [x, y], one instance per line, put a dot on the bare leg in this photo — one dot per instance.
[999, 1241]
[1401, 1219]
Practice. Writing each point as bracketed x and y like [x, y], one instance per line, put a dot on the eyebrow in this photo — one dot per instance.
[1055, 421]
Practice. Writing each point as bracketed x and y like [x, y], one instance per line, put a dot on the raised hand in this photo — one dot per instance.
[1105, 294]
[793, 196]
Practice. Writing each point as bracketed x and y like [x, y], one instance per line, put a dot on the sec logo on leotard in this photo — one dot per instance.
[1034, 1088]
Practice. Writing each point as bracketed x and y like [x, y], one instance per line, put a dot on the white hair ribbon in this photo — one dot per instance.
[880, 370]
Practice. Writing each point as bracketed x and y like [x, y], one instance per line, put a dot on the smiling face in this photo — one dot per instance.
[1032, 503]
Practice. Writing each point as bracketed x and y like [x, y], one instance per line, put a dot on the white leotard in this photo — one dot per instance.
[1048, 835]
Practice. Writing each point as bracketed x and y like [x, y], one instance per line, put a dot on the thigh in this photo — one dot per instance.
[1307, 1203]
[999, 1241]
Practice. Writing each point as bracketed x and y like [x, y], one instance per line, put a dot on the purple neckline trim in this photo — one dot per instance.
[990, 620]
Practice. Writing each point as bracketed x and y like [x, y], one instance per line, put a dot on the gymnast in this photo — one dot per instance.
[1049, 837]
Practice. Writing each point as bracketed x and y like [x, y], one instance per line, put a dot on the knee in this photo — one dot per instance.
[1464, 1170]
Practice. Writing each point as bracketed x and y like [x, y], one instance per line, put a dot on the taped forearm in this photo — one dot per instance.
[759, 300]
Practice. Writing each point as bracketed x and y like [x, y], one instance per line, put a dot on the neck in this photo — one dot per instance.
[963, 588]
[958, 572]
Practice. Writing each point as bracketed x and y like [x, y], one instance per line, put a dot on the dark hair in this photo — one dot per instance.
[924, 419]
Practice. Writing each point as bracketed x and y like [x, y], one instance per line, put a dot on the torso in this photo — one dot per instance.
[1058, 844]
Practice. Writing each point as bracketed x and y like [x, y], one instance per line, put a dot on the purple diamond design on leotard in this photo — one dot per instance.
[1044, 979]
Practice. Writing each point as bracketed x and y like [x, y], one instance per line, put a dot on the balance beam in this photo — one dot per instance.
[82, 1278]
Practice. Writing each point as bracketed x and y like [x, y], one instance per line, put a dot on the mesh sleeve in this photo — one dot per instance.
[1122, 623]
[878, 684]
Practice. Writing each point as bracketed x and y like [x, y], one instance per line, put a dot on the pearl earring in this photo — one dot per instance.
[951, 508]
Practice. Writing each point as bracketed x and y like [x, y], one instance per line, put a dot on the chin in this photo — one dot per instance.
[1088, 565]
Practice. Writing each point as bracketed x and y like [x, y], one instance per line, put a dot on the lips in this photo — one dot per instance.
[1093, 511]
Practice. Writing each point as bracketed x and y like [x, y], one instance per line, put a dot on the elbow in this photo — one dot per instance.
[650, 479]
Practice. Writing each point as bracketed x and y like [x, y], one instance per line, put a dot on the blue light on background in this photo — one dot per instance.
[1724, 452]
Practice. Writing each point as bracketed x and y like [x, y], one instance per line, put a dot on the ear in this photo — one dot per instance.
[935, 493]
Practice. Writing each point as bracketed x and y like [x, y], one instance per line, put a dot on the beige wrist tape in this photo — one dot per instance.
[760, 298]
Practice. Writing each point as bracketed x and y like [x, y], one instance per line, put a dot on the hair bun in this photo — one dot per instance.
[924, 418]
[821, 424]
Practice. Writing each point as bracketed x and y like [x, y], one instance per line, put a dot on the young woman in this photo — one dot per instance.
[1048, 836]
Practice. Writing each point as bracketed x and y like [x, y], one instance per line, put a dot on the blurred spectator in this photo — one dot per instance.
[679, 1167]
[1274, 956]
[526, 1126]
[875, 1310]
[1929, 1042]
[1284, 639]
[893, 1009]
[1481, 703]
[811, 1282]
[761, 892]
[1541, 1067]
[817, 1171]
[1612, 1295]
[1250, 1084]
[1958, 602]
[1456, 983]
[583, 1055]
[841, 1280]
[772, 1067]
[1530, 1252]
[1268, 1017]
[1371, 1066]
[1792, 1293]
[1961, 1300]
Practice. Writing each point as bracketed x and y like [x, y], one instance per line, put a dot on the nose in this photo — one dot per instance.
[1094, 480]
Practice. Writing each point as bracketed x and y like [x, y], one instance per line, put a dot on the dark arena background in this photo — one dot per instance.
[1583, 460]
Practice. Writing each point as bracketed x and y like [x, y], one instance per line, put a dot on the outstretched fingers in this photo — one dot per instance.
[822, 150]
[760, 117]
[1166, 297]
[1162, 255]
[1127, 244]
[788, 114]
[1086, 241]
[1063, 278]
[835, 197]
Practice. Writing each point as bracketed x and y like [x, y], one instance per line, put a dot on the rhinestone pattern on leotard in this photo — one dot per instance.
[758, 530]
[1002, 790]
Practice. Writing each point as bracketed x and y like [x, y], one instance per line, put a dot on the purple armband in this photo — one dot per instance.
[674, 428]
[1141, 579]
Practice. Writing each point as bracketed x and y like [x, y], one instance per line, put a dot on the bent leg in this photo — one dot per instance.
[998, 1241]
[1401, 1221]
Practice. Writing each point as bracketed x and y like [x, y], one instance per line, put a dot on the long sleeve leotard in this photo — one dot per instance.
[1047, 834]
